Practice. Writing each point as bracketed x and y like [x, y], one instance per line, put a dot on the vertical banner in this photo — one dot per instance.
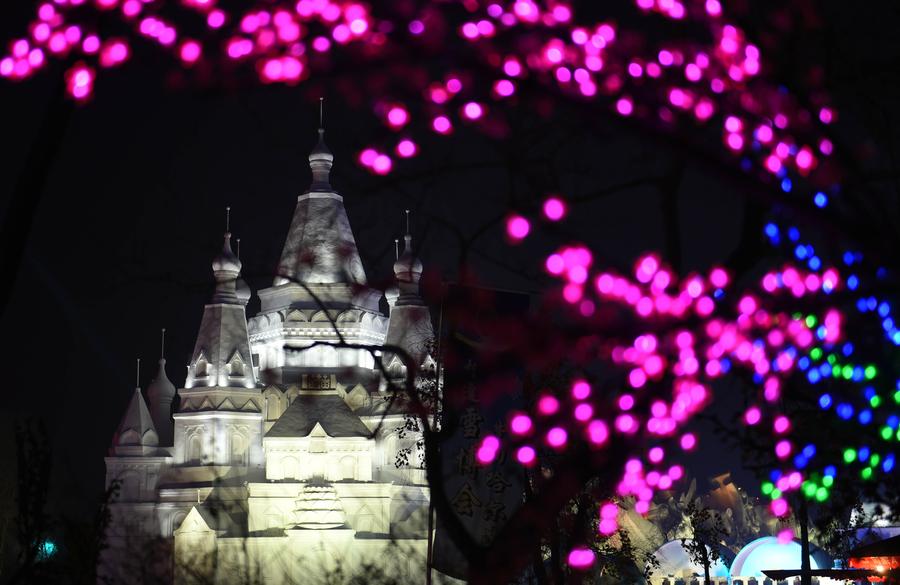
[481, 385]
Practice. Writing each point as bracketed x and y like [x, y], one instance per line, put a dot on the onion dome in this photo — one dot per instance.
[320, 161]
[242, 291]
[392, 294]
[227, 261]
[161, 393]
[408, 268]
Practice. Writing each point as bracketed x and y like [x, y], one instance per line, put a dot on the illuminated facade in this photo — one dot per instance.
[279, 462]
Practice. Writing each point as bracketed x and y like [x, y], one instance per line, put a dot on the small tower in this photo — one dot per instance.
[222, 355]
[161, 393]
[410, 326]
[136, 434]
[219, 418]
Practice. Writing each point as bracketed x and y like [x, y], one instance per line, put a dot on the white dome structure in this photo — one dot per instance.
[767, 553]
[675, 563]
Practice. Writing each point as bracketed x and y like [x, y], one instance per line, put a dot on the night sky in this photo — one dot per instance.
[133, 212]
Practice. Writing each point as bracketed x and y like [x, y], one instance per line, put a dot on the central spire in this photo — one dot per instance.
[320, 247]
[321, 159]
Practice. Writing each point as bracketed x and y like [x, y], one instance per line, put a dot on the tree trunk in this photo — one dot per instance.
[805, 576]
[706, 580]
[429, 560]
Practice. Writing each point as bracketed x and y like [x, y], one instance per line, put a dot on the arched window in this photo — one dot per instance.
[236, 366]
[364, 521]
[201, 367]
[195, 449]
[238, 450]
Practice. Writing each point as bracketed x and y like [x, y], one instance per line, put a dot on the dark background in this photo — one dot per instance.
[133, 212]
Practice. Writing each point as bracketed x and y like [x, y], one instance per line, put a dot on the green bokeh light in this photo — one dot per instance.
[849, 455]
[809, 489]
[46, 549]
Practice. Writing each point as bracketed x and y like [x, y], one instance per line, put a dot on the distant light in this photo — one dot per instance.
[820, 199]
[557, 437]
[581, 390]
[47, 549]
[215, 19]
[488, 449]
[190, 51]
[581, 558]
[548, 405]
[397, 116]
[526, 455]
[367, 156]
[473, 110]
[520, 424]
[416, 27]
[504, 88]
[517, 227]
[382, 164]
[442, 125]
[554, 209]
[406, 148]
[598, 432]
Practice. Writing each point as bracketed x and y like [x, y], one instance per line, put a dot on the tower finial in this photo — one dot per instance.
[238, 241]
[407, 222]
[162, 344]
[137, 375]
[321, 114]
[227, 218]
[396, 249]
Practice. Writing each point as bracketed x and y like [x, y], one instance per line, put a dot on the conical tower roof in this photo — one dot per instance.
[136, 434]
[320, 247]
